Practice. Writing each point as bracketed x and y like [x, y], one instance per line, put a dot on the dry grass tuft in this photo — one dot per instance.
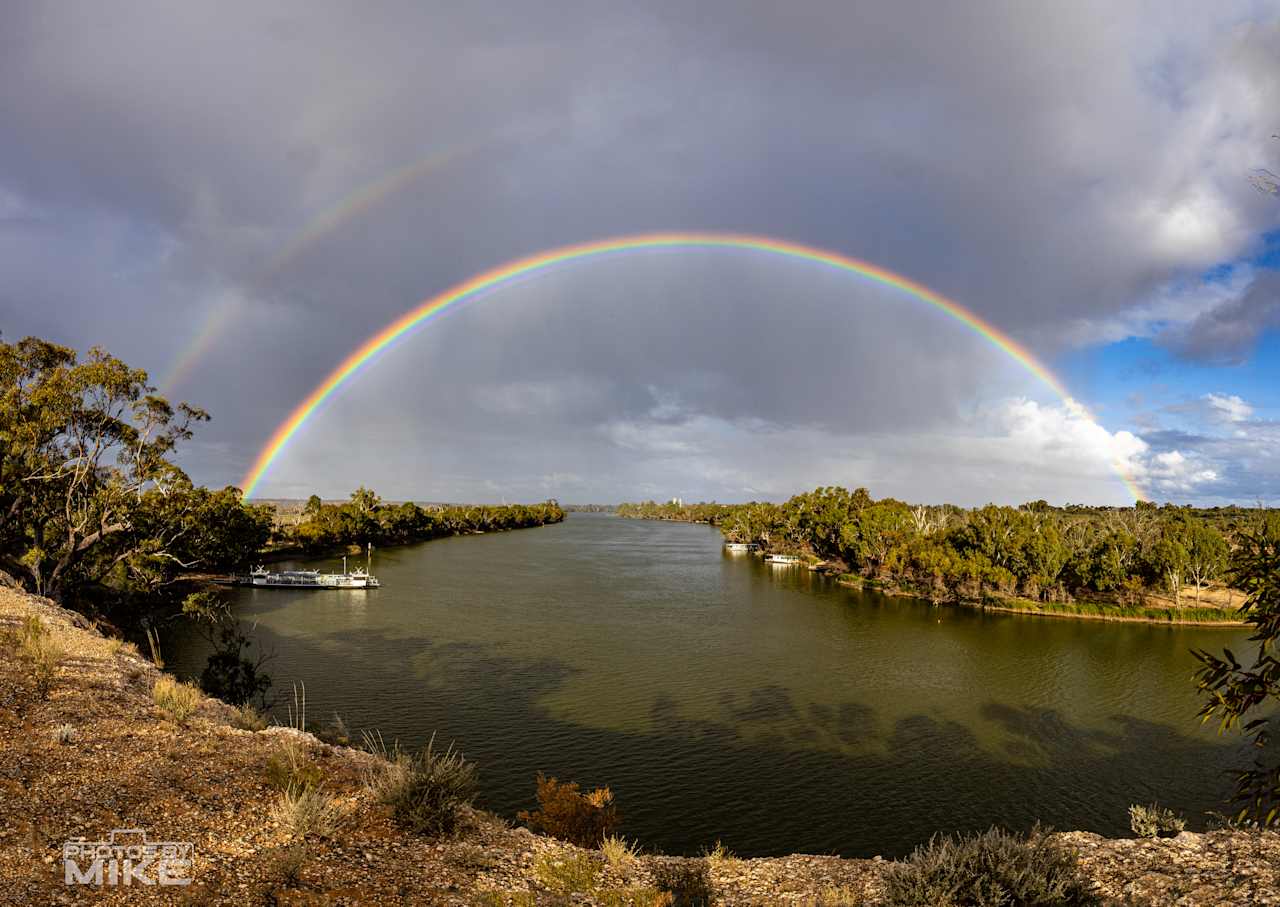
[291, 768]
[837, 896]
[618, 852]
[306, 812]
[64, 734]
[247, 718]
[719, 856]
[44, 650]
[177, 700]
[429, 791]
[567, 873]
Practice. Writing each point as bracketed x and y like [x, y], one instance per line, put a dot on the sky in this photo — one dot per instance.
[234, 196]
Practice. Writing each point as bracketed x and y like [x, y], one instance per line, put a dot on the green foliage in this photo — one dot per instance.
[227, 674]
[988, 869]
[429, 792]
[1035, 552]
[1245, 697]
[90, 500]
[565, 812]
[1155, 821]
[365, 519]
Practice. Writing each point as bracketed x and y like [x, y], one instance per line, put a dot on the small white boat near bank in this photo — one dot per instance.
[739, 547]
[783, 560]
[314, 579]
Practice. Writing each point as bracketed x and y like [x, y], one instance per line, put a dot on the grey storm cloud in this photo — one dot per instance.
[270, 184]
[1226, 334]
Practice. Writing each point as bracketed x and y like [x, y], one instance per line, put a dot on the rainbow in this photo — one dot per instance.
[352, 205]
[540, 262]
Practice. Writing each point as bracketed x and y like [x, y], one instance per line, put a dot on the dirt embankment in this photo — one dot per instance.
[97, 754]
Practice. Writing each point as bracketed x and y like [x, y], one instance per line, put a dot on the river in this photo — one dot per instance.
[724, 699]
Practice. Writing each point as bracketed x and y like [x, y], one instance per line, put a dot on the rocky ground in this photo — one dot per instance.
[123, 764]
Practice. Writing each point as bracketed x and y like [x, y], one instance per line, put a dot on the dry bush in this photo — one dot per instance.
[1155, 821]
[290, 768]
[247, 718]
[177, 700]
[64, 734]
[287, 862]
[633, 897]
[838, 896]
[687, 881]
[567, 873]
[429, 792]
[565, 812]
[618, 852]
[995, 867]
[719, 856]
[306, 811]
[44, 650]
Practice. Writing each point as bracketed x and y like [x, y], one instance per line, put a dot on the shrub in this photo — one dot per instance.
[719, 855]
[688, 882]
[471, 858]
[44, 650]
[567, 873]
[837, 896]
[618, 852]
[995, 867]
[64, 734]
[565, 812]
[177, 700]
[428, 791]
[306, 811]
[1152, 821]
[289, 768]
[287, 862]
[247, 718]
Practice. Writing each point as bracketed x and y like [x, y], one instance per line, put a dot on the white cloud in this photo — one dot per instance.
[1228, 407]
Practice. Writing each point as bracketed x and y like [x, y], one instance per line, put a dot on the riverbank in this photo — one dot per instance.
[124, 764]
[1190, 616]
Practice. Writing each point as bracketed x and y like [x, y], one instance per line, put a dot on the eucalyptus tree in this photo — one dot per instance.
[88, 491]
[1247, 697]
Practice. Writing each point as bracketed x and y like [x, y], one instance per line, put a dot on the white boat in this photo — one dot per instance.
[738, 547]
[782, 560]
[314, 579]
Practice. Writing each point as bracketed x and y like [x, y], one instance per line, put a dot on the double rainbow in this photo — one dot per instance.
[543, 261]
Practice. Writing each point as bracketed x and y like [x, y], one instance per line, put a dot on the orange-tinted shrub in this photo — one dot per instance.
[565, 812]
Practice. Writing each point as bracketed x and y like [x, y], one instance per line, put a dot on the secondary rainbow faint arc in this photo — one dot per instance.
[542, 261]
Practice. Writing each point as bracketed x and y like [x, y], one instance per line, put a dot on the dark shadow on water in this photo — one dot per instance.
[767, 776]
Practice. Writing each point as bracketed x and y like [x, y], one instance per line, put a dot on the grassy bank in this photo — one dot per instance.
[1084, 610]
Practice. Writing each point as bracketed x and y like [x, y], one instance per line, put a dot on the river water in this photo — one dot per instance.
[724, 699]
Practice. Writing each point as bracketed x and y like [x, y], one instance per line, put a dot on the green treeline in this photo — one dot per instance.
[95, 513]
[365, 519]
[93, 510]
[1035, 552]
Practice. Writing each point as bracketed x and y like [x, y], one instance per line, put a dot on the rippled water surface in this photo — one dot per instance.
[721, 698]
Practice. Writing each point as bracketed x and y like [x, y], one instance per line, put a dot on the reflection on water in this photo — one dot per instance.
[722, 698]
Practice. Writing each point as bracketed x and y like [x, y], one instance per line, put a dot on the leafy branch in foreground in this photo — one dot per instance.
[1239, 695]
